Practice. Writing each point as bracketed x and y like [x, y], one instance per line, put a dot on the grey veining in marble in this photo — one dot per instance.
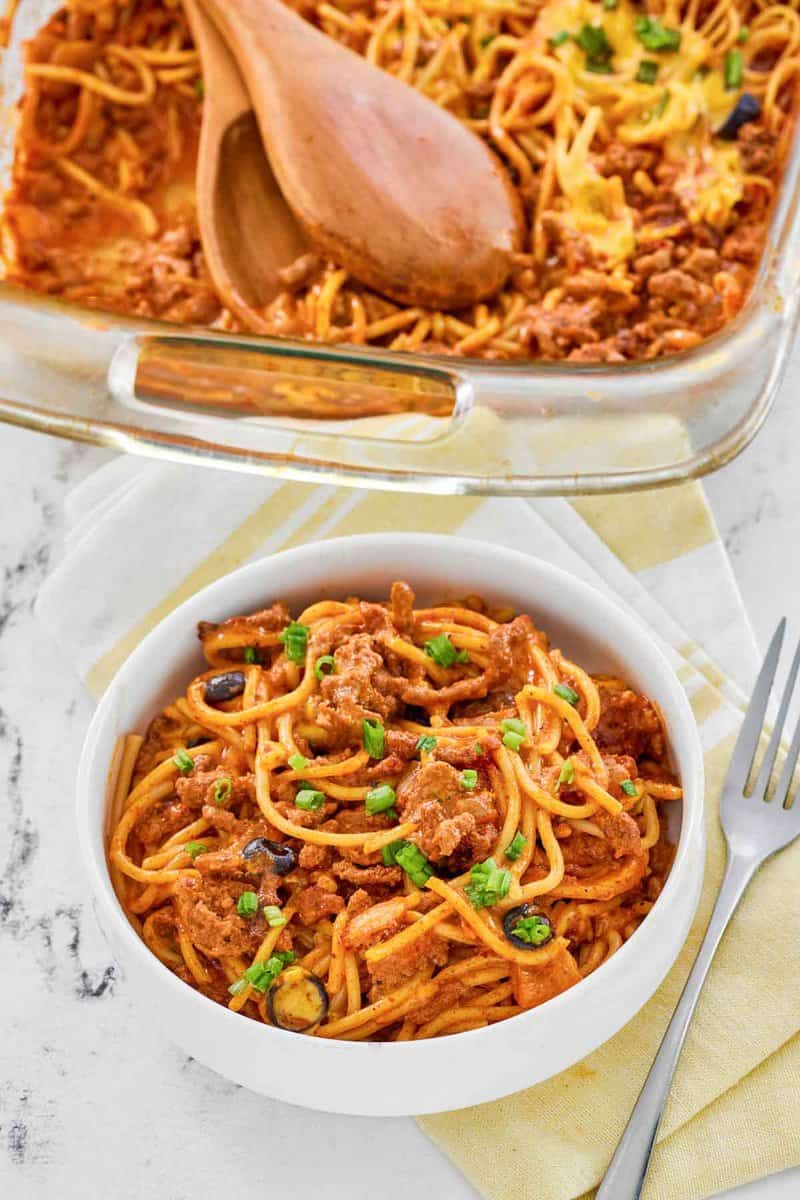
[757, 504]
[93, 1101]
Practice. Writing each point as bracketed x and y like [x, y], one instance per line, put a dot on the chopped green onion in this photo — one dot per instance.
[660, 108]
[325, 665]
[478, 748]
[599, 66]
[487, 39]
[184, 762]
[655, 36]
[273, 916]
[413, 861]
[592, 39]
[469, 780]
[247, 904]
[744, 34]
[629, 787]
[261, 976]
[734, 70]
[443, 652]
[389, 853]
[294, 639]
[380, 799]
[567, 693]
[514, 732]
[309, 800]
[222, 790]
[647, 72]
[249, 654]
[256, 975]
[425, 744]
[200, 88]
[488, 884]
[567, 773]
[534, 930]
[195, 848]
[610, 5]
[298, 762]
[516, 846]
[374, 737]
[558, 39]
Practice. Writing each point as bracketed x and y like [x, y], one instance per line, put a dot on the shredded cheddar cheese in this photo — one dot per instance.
[683, 105]
[594, 206]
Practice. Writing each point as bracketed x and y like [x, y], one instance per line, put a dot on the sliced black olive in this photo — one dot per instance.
[297, 1000]
[540, 923]
[283, 857]
[224, 687]
[747, 108]
[256, 846]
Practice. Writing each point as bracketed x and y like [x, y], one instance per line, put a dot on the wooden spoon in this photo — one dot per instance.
[382, 180]
[248, 230]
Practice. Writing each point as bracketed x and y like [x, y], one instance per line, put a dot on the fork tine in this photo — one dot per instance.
[747, 741]
[762, 783]
[785, 781]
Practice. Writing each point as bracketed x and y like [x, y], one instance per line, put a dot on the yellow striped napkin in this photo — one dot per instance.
[144, 537]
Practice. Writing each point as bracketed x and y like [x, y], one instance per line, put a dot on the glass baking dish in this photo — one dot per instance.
[371, 418]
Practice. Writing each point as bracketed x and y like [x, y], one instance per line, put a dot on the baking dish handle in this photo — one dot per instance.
[368, 417]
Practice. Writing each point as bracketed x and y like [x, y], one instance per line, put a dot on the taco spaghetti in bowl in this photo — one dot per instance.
[377, 821]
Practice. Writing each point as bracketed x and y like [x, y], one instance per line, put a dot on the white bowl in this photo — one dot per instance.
[387, 1078]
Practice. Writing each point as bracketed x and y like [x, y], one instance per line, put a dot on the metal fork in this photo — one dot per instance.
[756, 825]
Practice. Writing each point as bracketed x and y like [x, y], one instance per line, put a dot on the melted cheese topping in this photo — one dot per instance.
[710, 183]
[679, 111]
[595, 206]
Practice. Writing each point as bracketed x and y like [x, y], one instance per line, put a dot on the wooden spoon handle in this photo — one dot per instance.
[247, 229]
[221, 76]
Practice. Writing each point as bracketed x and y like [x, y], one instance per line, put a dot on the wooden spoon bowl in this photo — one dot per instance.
[381, 179]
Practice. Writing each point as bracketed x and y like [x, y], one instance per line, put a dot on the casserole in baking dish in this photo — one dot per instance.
[645, 224]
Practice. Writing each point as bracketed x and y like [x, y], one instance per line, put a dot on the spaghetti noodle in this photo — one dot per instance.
[646, 142]
[379, 821]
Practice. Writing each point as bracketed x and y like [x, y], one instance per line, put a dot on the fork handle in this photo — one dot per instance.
[627, 1170]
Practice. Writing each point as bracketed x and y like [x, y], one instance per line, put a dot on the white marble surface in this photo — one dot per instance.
[93, 1102]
